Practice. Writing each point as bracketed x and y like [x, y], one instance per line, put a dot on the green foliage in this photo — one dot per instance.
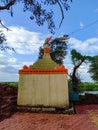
[76, 56]
[10, 84]
[93, 69]
[2, 40]
[41, 10]
[3, 44]
[58, 47]
[78, 59]
[70, 85]
[84, 86]
[88, 87]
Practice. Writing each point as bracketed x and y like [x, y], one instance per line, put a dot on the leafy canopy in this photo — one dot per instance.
[41, 10]
[58, 48]
[3, 44]
[2, 40]
[93, 68]
[78, 59]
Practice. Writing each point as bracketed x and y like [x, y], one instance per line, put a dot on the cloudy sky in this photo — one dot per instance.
[81, 23]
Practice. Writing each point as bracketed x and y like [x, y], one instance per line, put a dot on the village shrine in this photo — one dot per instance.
[43, 85]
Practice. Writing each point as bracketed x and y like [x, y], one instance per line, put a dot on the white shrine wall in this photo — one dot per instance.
[47, 90]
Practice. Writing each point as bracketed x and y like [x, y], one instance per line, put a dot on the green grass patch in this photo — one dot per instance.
[84, 86]
[10, 84]
[88, 87]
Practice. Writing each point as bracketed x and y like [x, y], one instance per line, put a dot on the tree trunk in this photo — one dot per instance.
[75, 79]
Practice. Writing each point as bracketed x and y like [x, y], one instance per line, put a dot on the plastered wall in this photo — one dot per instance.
[48, 90]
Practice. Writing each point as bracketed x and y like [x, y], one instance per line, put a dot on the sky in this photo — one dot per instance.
[80, 23]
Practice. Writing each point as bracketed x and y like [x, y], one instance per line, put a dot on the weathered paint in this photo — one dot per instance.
[49, 90]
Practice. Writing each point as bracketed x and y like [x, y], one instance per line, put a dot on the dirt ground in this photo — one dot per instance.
[85, 119]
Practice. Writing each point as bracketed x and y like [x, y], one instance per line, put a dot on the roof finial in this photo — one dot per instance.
[46, 47]
[48, 39]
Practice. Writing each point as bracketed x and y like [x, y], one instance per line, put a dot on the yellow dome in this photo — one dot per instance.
[44, 64]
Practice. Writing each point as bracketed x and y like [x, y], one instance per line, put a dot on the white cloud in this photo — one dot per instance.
[23, 41]
[9, 67]
[87, 47]
[82, 70]
[27, 43]
[81, 25]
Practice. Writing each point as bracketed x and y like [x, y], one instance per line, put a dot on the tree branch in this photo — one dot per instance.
[4, 26]
[8, 5]
[62, 13]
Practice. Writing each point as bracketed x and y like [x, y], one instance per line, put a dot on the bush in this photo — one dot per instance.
[88, 87]
[10, 84]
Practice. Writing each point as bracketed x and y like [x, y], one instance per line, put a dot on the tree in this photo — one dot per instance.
[3, 44]
[2, 40]
[39, 10]
[58, 47]
[93, 68]
[77, 60]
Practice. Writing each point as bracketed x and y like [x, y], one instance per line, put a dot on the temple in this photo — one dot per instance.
[44, 83]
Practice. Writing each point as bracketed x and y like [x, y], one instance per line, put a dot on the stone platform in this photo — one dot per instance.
[46, 110]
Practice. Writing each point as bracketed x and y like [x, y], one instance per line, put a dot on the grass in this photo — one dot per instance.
[85, 86]
[10, 84]
[88, 87]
